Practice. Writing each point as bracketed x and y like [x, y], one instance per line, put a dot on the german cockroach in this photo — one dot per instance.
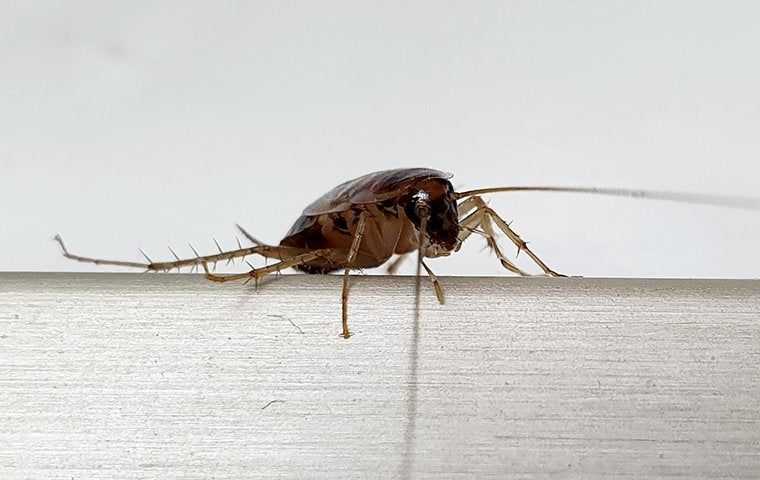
[362, 223]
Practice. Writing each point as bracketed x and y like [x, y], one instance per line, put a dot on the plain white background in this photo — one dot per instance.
[126, 124]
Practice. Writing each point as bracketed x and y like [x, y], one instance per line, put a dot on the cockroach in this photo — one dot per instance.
[362, 223]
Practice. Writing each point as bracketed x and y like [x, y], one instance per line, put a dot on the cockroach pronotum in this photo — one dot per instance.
[362, 223]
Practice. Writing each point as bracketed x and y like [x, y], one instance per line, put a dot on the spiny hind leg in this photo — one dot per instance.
[98, 261]
[521, 245]
[268, 251]
[286, 262]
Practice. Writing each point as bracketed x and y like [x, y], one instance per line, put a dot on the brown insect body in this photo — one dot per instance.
[389, 200]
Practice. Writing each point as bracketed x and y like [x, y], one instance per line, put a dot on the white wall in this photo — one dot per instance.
[126, 124]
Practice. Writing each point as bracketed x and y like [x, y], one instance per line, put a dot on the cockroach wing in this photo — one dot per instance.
[371, 188]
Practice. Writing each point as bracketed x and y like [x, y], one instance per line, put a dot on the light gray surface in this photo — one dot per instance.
[166, 376]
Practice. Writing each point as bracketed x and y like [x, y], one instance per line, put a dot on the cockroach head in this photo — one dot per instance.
[432, 208]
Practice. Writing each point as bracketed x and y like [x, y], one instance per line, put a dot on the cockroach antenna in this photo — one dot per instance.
[747, 203]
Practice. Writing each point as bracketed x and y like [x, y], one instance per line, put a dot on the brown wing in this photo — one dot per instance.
[371, 188]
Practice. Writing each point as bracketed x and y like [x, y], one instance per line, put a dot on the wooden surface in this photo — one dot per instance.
[167, 376]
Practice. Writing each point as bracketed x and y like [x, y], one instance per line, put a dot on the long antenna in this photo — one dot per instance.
[748, 203]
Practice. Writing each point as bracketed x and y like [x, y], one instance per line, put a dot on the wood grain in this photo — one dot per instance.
[167, 376]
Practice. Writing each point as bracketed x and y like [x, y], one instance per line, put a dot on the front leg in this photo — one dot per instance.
[521, 245]
[479, 222]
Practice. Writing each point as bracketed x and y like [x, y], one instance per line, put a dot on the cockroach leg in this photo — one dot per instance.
[355, 244]
[247, 235]
[263, 250]
[466, 206]
[470, 221]
[480, 218]
[258, 273]
[487, 226]
[521, 245]
[436, 284]
[467, 226]
[395, 264]
[98, 261]
[224, 278]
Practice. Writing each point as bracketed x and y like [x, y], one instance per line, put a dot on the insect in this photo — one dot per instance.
[362, 223]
